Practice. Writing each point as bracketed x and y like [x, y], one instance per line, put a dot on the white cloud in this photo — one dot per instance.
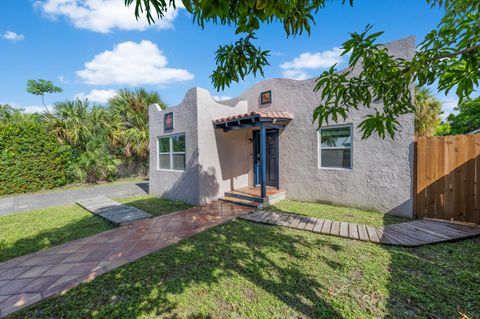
[12, 36]
[296, 68]
[131, 63]
[295, 74]
[308, 60]
[36, 108]
[63, 79]
[99, 96]
[448, 104]
[221, 97]
[102, 15]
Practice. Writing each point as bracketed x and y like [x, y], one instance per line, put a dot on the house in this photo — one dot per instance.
[263, 145]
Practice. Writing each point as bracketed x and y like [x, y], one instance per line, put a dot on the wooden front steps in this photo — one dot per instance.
[250, 197]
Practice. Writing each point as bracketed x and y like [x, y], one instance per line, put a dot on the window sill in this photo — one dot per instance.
[335, 169]
[170, 170]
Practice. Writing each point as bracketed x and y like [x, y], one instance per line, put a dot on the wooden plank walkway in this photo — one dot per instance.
[113, 211]
[414, 233]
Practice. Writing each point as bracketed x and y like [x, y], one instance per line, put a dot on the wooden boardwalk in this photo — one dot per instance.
[414, 233]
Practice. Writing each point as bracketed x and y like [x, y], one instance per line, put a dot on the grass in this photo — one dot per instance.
[28, 232]
[25, 233]
[247, 270]
[154, 205]
[338, 213]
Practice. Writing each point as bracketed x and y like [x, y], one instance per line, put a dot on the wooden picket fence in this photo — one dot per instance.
[447, 177]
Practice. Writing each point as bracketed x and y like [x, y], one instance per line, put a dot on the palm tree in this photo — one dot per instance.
[131, 108]
[427, 112]
[89, 131]
[75, 123]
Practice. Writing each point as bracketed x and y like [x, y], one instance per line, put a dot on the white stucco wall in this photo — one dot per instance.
[176, 185]
[215, 161]
[380, 179]
[382, 170]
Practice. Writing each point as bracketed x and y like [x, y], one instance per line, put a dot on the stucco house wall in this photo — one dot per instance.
[215, 162]
[381, 177]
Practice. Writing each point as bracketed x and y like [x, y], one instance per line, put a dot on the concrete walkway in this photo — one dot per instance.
[29, 279]
[410, 234]
[115, 212]
[20, 203]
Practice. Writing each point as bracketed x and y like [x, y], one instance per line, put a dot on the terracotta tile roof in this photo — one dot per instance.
[259, 114]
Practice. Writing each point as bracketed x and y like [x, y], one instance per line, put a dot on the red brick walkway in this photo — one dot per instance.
[28, 279]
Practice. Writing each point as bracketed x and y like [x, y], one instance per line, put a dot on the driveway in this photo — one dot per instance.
[21, 203]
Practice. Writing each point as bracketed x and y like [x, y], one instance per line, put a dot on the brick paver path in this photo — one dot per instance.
[413, 233]
[28, 279]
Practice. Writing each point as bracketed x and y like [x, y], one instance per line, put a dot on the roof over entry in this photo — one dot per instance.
[253, 119]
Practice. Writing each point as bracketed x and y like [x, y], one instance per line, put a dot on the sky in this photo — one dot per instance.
[92, 48]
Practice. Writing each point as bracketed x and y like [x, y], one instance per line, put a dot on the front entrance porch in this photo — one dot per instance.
[266, 128]
[252, 196]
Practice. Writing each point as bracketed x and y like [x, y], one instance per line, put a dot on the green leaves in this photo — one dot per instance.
[449, 56]
[236, 61]
[41, 87]
[247, 16]
[466, 119]
[31, 158]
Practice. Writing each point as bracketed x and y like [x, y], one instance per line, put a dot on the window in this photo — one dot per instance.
[336, 147]
[171, 152]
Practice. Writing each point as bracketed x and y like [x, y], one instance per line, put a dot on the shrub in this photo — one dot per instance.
[95, 163]
[31, 158]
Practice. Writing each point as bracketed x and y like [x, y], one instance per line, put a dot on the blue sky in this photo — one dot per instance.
[93, 47]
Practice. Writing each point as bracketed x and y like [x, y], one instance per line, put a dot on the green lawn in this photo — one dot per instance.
[154, 205]
[246, 270]
[28, 232]
[339, 213]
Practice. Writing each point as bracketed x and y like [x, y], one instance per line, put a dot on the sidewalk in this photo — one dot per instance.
[20, 203]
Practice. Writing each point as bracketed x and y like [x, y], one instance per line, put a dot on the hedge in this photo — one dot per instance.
[31, 158]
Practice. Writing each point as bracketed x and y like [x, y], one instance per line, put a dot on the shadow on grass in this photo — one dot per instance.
[53, 236]
[434, 281]
[237, 253]
[155, 205]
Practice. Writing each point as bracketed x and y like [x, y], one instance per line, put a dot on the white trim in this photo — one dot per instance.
[319, 148]
[171, 152]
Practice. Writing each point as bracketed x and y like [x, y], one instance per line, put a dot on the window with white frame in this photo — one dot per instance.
[335, 147]
[171, 152]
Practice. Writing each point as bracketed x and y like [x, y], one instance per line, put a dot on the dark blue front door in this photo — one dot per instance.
[272, 158]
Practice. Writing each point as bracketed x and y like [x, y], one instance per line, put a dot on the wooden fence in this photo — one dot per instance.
[447, 171]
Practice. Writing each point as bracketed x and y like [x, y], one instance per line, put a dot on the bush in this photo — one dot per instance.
[95, 163]
[31, 158]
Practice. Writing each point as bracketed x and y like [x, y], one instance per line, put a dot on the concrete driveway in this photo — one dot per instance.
[21, 203]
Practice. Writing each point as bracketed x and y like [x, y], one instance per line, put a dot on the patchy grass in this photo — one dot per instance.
[338, 213]
[28, 232]
[154, 205]
[247, 270]
[25, 233]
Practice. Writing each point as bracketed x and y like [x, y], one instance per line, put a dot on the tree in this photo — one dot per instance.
[8, 112]
[467, 118]
[131, 109]
[449, 55]
[88, 131]
[427, 112]
[42, 87]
